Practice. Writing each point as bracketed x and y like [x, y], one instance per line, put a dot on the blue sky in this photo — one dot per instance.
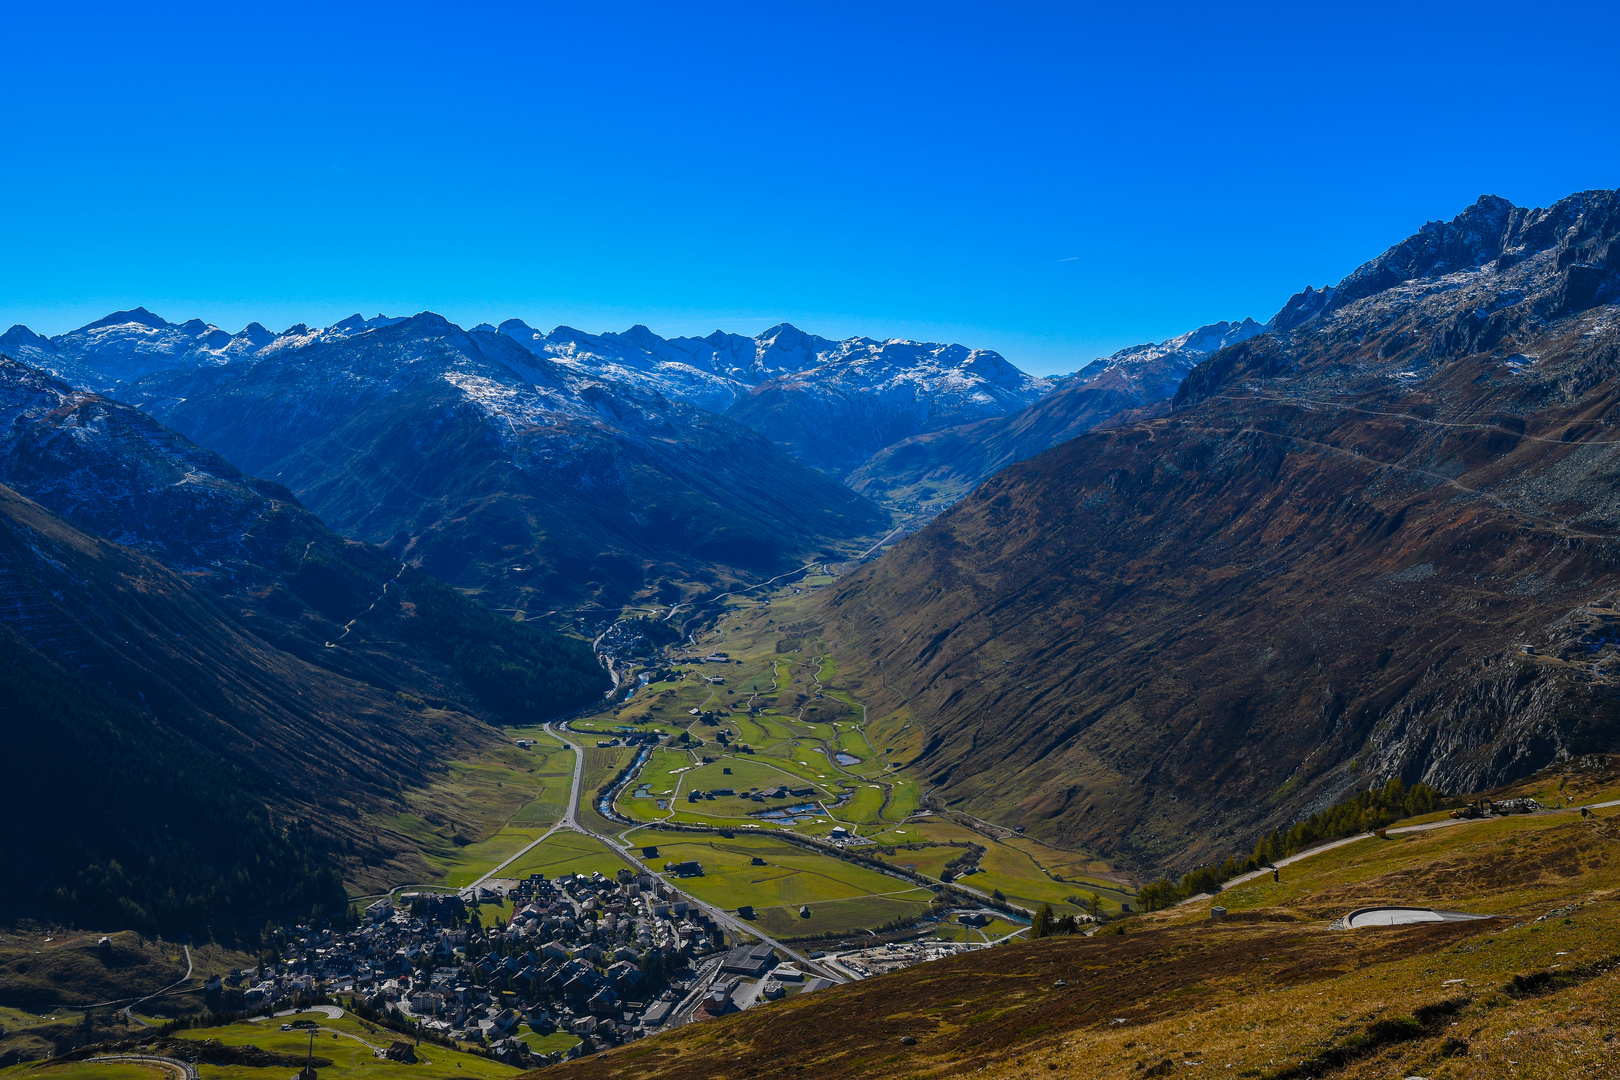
[1054, 182]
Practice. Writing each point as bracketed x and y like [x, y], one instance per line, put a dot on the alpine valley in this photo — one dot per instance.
[541, 692]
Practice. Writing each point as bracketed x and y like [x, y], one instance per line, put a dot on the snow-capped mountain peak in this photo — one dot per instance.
[1156, 370]
[846, 398]
[136, 316]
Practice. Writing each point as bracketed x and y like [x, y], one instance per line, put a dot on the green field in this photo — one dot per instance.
[994, 930]
[1015, 874]
[567, 852]
[843, 916]
[545, 1044]
[602, 764]
[929, 860]
[482, 811]
[94, 1070]
[348, 1042]
[841, 895]
[1007, 866]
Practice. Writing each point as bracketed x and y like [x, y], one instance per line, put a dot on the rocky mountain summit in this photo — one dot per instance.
[1488, 282]
[1378, 540]
[831, 404]
[1570, 243]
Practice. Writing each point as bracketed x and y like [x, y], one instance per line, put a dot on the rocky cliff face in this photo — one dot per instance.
[1379, 540]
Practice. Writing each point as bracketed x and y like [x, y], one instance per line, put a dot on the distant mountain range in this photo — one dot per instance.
[939, 467]
[500, 470]
[829, 403]
[910, 423]
[1380, 539]
[547, 469]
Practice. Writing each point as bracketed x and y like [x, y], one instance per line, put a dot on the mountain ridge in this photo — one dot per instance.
[933, 469]
[831, 403]
[1322, 567]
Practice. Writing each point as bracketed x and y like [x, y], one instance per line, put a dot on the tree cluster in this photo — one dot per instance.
[1365, 811]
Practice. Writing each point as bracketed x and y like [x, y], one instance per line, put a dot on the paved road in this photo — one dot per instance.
[129, 1010]
[569, 820]
[184, 1069]
[332, 1012]
[1428, 826]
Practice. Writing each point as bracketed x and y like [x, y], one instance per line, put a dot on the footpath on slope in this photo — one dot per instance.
[129, 1010]
[1427, 826]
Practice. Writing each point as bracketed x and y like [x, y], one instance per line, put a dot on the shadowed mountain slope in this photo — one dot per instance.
[117, 472]
[496, 469]
[103, 629]
[270, 681]
[1321, 570]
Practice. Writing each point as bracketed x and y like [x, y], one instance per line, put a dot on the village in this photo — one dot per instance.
[602, 959]
[605, 960]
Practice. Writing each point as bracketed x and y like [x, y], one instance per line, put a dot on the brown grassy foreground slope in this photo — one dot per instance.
[1272, 991]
